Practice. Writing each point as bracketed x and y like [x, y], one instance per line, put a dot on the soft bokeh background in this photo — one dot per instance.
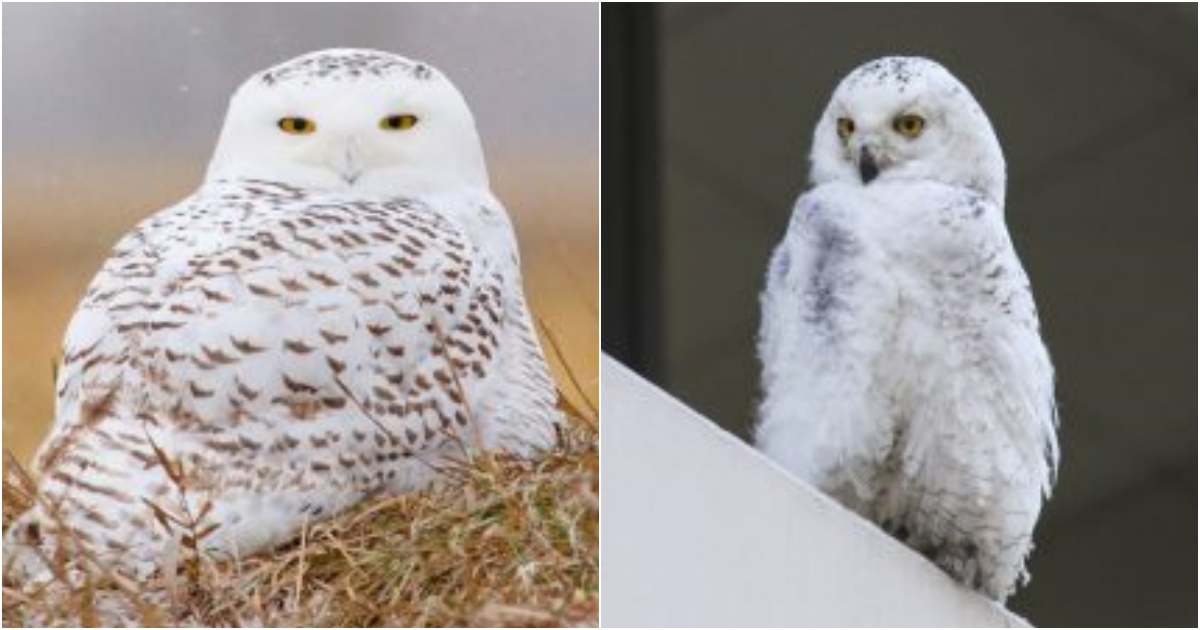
[1095, 106]
[111, 113]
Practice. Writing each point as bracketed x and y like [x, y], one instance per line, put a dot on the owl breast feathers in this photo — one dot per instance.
[903, 369]
[299, 334]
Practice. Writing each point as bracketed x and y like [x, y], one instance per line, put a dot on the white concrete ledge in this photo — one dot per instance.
[698, 529]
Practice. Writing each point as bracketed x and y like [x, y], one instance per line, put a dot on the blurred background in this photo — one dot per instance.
[713, 108]
[112, 111]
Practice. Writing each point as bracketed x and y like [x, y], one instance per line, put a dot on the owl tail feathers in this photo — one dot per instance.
[527, 436]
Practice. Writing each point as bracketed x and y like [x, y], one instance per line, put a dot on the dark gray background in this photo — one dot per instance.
[1095, 107]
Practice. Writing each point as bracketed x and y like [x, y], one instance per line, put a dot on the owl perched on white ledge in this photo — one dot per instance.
[903, 368]
[335, 314]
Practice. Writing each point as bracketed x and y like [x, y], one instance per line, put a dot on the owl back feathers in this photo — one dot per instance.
[295, 351]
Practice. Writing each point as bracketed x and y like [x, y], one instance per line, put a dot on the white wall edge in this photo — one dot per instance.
[698, 529]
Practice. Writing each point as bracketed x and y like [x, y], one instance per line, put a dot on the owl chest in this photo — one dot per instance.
[940, 318]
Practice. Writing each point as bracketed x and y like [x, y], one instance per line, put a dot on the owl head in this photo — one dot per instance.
[907, 118]
[352, 119]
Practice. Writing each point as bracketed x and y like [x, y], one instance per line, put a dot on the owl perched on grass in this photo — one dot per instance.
[336, 313]
[903, 369]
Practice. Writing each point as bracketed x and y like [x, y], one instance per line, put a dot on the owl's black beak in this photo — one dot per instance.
[868, 168]
[347, 160]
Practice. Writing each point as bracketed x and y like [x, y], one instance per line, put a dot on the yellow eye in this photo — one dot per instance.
[398, 122]
[845, 127]
[909, 125]
[297, 126]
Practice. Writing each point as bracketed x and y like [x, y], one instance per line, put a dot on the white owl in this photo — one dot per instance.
[335, 314]
[903, 371]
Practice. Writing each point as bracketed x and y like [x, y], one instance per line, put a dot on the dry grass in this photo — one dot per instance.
[507, 542]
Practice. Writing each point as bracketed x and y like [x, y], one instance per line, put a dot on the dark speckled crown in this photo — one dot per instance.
[897, 71]
[344, 65]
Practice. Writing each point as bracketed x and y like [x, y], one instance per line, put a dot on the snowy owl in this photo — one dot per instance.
[335, 314]
[903, 371]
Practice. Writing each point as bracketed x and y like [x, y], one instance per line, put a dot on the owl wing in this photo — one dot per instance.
[259, 322]
[522, 396]
[1002, 361]
[980, 443]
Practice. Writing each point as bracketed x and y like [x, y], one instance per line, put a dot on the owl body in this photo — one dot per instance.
[281, 345]
[904, 373]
